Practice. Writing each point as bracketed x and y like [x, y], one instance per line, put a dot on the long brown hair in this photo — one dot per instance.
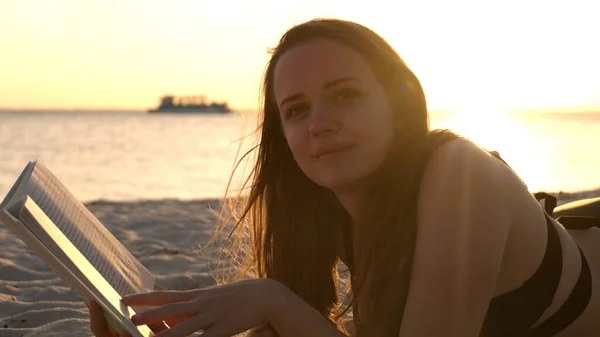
[293, 226]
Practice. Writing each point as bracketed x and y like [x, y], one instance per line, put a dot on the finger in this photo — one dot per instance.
[98, 323]
[174, 321]
[194, 324]
[218, 330]
[113, 333]
[175, 310]
[156, 298]
[167, 324]
[158, 327]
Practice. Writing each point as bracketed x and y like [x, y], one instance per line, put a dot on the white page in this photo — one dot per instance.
[112, 260]
[11, 219]
[64, 258]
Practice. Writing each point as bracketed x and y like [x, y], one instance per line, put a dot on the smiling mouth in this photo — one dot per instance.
[332, 152]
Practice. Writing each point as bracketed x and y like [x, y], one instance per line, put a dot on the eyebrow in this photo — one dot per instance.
[325, 86]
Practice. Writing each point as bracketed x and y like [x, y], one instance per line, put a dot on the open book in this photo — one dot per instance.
[69, 238]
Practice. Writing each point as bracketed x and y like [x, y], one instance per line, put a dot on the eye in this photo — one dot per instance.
[296, 110]
[346, 95]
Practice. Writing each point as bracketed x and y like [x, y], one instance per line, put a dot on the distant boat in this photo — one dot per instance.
[189, 104]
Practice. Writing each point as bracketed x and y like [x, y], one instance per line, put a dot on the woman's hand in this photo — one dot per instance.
[98, 324]
[100, 328]
[222, 310]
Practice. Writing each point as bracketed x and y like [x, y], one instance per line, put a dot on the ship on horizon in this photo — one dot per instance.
[189, 104]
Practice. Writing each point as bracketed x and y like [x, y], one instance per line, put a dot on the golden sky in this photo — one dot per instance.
[124, 54]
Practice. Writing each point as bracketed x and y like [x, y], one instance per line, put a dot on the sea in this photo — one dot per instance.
[125, 156]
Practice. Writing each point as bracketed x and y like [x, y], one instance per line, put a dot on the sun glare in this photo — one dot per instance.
[496, 131]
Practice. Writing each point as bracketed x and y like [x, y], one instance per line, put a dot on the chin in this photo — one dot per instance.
[340, 181]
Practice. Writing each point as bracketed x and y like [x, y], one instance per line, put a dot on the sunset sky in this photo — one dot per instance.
[469, 55]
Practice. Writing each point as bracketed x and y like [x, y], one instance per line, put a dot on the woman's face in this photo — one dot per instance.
[334, 113]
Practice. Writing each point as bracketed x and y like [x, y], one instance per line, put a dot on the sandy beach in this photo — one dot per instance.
[164, 235]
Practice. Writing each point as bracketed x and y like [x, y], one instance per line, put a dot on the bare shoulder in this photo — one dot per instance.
[463, 225]
[462, 153]
[461, 165]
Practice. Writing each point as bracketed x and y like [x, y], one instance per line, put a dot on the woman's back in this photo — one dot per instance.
[541, 263]
[531, 241]
[589, 241]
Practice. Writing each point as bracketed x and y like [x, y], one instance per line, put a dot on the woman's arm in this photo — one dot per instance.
[292, 317]
[264, 331]
[464, 218]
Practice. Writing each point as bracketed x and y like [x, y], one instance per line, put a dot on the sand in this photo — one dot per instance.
[164, 235]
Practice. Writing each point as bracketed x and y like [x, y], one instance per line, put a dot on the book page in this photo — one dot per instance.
[21, 180]
[112, 260]
[11, 218]
[59, 252]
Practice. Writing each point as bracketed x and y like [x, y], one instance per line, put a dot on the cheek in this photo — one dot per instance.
[296, 143]
[380, 140]
[378, 134]
[387, 134]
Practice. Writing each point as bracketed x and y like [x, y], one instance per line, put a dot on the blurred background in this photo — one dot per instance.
[78, 78]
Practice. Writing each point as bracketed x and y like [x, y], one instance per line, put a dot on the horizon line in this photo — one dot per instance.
[246, 110]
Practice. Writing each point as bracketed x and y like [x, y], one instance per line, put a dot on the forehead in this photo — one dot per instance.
[313, 63]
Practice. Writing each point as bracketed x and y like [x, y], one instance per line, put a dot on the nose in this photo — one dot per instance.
[322, 122]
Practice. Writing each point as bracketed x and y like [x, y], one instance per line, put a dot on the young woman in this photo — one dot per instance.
[441, 238]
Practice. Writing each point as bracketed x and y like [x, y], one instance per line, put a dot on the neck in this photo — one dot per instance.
[352, 197]
[352, 202]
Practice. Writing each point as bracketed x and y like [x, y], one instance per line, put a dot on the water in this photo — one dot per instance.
[550, 152]
[123, 156]
[128, 156]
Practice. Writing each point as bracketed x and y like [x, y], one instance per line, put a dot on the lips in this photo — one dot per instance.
[330, 149]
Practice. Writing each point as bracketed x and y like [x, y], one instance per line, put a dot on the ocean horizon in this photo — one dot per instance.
[131, 155]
